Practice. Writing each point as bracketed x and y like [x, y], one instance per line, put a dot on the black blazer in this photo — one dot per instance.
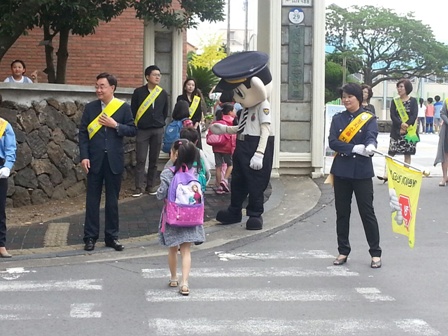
[106, 139]
[347, 164]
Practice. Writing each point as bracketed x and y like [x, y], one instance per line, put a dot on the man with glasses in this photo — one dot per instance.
[104, 123]
[150, 108]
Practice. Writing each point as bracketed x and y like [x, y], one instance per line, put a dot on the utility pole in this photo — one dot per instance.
[246, 8]
[228, 28]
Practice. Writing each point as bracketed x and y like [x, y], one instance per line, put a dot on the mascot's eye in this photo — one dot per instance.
[239, 93]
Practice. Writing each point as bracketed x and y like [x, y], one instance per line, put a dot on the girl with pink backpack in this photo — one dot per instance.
[182, 218]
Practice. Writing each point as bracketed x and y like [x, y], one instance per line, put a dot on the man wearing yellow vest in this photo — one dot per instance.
[7, 159]
[150, 108]
[104, 123]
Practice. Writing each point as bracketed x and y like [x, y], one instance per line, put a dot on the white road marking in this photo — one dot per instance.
[320, 254]
[374, 294]
[350, 327]
[259, 295]
[84, 310]
[13, 273]
[17, 312]
[259, 272]
[36, 286]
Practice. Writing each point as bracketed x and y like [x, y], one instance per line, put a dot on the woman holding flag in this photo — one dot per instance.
[353, 136]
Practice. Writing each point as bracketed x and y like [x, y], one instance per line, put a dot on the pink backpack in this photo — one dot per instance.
[184, 205]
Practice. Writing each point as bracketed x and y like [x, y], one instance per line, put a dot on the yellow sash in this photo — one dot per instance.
[109, 110]
[194, 105]
[349, 132]
[149, 100]
[3, 124]
[411, 134]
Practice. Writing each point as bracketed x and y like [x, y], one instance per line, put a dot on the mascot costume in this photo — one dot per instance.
[247, 75]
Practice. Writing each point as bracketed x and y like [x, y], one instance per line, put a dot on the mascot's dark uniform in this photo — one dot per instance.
[247, 75]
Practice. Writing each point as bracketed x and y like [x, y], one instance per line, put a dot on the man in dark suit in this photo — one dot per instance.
[103, 125]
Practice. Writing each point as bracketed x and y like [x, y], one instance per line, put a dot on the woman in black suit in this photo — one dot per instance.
[190, 90]
[352, 169]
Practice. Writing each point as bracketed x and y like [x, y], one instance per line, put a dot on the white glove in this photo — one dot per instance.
[256, 163]
[359, 149]
[4, 172]
[395, 206]
[218, 128]
[370, 148]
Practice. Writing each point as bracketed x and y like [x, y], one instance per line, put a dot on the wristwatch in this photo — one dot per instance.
[116, 127]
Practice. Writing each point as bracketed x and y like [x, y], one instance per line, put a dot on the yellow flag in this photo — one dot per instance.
[404, 191]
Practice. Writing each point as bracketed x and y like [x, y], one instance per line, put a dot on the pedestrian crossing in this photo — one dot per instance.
[233, 293]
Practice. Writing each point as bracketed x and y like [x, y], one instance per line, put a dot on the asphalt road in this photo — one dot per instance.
[280, 282]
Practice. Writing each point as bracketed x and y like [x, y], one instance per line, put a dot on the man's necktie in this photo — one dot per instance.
[243, 121]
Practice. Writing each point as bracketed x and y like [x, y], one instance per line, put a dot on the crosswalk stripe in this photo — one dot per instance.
[84, 310]
[374, 294]
[36, 286]
[259, 295]
[22, 312]
[318, 254]
[14, 273]
[346, 327]
[331, 271]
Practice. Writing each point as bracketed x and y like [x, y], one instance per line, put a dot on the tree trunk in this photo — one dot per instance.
[62, 55]
[49, 60]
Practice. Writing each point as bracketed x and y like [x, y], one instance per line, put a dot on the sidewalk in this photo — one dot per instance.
[286, 199]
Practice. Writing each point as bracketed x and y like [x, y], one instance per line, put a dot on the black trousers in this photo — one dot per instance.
[112, 183]
[3, 190]
[248, 182]
[363, 189]
[147, 139]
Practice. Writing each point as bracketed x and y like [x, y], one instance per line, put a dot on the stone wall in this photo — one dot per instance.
[47, 163]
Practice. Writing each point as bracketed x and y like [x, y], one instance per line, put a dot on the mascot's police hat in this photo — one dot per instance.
[239, 68]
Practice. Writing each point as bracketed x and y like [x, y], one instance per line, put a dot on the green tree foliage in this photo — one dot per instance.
[65, 17]
[15, 17]
[387, 45]
[81, 17]
[212, 53]
[333, 75]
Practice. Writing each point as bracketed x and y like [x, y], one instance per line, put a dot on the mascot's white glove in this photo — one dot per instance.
[370, 148]
[395, 206]
[4, 172]
[256, 163]
[359, 149]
